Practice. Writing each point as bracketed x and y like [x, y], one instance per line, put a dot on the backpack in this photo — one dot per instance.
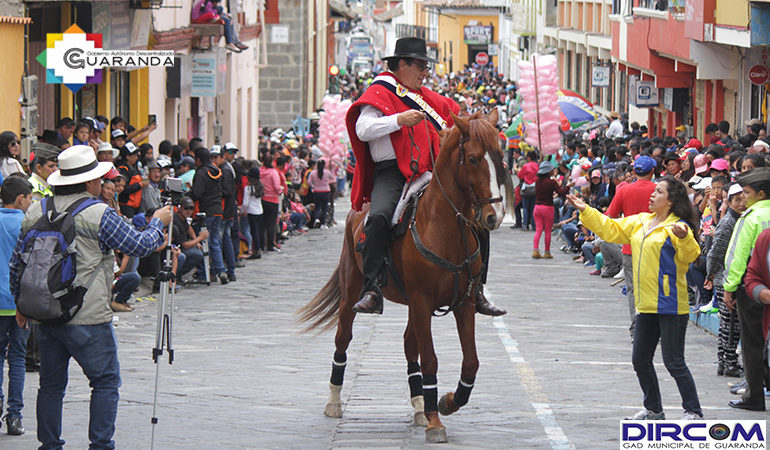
[48, 290]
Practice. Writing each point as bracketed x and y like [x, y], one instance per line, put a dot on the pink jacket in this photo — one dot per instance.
[271, 181]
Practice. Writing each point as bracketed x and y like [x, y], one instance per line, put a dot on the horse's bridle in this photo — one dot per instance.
[463, 222]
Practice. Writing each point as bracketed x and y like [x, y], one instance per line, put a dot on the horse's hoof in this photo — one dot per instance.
[435, 435]
[333, 410]
[443, 405]
[420, 420]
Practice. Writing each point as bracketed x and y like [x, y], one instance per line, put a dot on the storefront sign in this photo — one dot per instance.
[279, 34]
[642, 94]
[693, 19]
[759, 75]
[600, 76]
[204, 75]
[477, 34]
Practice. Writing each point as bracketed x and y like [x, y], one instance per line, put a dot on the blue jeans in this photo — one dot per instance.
[188, 260]
[528, 212]
[228, 253]
[95, 348]
[125, 286]
[16, 340]
[245, 229]
[670, 330]
[570, 230]
[215, 246]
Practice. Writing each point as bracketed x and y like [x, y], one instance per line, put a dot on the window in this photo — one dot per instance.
[660, 5]
[578, 73]
[568, 70]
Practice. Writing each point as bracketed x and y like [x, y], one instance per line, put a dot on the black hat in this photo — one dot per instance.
[411, 47]
[670, 156]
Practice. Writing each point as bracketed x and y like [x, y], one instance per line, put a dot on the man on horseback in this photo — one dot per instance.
[391, 149]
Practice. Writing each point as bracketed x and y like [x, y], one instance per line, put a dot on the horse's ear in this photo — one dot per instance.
[493, 117]
[462, 124]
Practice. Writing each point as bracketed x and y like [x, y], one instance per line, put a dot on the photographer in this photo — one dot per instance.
[186, 239]
[207, 191]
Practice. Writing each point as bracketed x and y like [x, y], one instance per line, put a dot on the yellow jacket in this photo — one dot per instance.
[660, 259]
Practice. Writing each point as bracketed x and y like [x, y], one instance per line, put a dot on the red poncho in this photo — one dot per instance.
[425, 138]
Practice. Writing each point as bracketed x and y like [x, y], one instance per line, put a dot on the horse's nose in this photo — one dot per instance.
[491, 220]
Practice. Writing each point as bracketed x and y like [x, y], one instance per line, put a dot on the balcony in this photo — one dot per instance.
[429, 34]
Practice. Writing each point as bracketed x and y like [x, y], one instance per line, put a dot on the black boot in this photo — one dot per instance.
[374, 250]
[484, 307]
[370, 303]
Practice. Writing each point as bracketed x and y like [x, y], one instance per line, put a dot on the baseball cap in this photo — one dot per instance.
[644, 164]
[701, 163]
[719, 164]
[116, 133]
[231, 148]
[187, 161]
[216, 150]
[760, 142]
[734, 189]
[186, 202]
[694, 143]
[596, 173]
[130, 147]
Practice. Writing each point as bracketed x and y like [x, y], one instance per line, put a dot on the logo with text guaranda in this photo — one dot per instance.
[76, 58]
[693, 434]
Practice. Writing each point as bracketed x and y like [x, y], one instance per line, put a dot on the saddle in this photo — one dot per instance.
[407, 204]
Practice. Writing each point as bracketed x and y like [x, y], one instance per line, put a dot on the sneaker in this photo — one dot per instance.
[232, 48]
[596, 272]
[646, 414]
[708, 309]
[223, 278]
[733, 371]
[536, 254]
[241, 45]
[589, 263]
[689, 415]
[547, 255]
[737, 388]
[231, 277]
[13, 425]
[734, 383]
[120, 307]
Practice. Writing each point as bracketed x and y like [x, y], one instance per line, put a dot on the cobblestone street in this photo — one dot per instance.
[555, 371]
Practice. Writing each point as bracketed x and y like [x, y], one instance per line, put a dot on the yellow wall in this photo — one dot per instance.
[732, 12]
[450, 29]
[11, 71]
[139, 98]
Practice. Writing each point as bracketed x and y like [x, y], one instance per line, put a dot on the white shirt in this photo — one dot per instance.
[375, 128]
[615, 129]
[252, 205]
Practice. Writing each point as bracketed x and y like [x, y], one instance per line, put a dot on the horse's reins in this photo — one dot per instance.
[463, 222]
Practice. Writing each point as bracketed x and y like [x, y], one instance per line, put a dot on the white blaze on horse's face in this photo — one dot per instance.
[496, 189]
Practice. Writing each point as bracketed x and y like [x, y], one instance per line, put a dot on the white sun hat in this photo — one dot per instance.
[78, 164]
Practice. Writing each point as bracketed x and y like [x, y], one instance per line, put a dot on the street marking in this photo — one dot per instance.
[537, 397]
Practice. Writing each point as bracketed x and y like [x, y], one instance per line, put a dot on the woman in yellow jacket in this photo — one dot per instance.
[662, 248]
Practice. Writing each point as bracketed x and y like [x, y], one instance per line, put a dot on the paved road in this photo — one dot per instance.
[555, 372]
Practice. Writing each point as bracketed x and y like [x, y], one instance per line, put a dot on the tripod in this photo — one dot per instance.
[205, 248]
[164, 325]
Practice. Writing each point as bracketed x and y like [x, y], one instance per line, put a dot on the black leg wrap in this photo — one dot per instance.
[338, 368]
[415, 378]
[463, 392]
[430, 392]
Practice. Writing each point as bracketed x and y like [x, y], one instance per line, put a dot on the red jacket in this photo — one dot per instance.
[757, 276]
[631, 199]
[426, 138]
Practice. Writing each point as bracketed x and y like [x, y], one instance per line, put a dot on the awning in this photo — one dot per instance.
[15, 20]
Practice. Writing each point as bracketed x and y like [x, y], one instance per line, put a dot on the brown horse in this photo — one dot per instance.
[437, 263]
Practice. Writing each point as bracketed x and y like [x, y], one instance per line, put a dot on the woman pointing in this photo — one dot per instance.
[662, 247]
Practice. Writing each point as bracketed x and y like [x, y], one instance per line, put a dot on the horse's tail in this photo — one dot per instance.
[321, 312]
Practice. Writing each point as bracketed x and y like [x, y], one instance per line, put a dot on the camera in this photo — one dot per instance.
[171, 190]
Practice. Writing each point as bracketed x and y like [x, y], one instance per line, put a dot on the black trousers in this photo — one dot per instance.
[386, 190]
[752, 345]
